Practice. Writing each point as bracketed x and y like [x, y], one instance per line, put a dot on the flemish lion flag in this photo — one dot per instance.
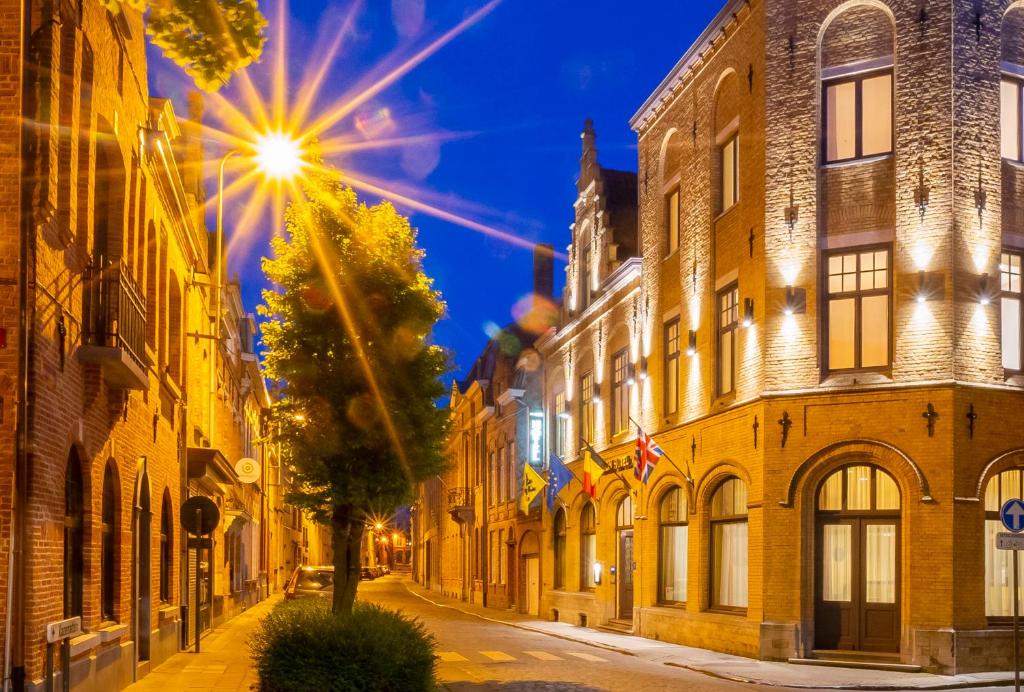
[593, 468]
[533, 484]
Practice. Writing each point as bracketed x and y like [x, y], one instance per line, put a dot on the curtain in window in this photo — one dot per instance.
[837, 562]
[830, 497]
[880, 567]
[858, 487]
[841, 106]
[589, 549]
[999, 574]
[1010, 121]
[730, 577]
[674, 542]
[876, 93]
[874, 331]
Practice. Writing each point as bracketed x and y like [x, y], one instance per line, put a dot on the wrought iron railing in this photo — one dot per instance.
[114, 310]
[459, 497]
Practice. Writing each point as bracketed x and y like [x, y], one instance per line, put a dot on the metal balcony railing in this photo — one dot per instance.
[114, 310]
[459, 497]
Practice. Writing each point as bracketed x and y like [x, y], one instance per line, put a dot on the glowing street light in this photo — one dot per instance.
[278, 156]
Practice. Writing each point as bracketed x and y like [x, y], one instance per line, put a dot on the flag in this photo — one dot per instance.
[559, 476]
[593, 468]
[533, 483]
[647, 454]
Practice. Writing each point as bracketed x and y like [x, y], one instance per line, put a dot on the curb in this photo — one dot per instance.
[525, 628]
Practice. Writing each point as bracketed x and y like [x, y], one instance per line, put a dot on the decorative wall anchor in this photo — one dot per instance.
[693, 449]
[156, 420]
[125, 401]
[922, 194]
[971, 417]
[62, 333]
[980, 200]
[750, 78]
[922, 18]
[792, 215]
[695, 131]
[930, 414]
[750, 240]
[785, 423]
[756, 426]
[792, 50]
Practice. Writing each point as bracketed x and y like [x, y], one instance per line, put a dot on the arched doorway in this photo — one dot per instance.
[857, 575]
[143, 562]
[624, 557]
[529, 553]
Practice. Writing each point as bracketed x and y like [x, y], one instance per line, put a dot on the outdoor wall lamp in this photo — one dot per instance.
[643, 369]
[986, 291]
[796, 301]
[598, 568]
[596, 398]
[748, 312]
[930, 286]
[564, 413]
[630, 374]
[691, 344]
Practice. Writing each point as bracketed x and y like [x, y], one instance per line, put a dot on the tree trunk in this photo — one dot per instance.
[346, 540]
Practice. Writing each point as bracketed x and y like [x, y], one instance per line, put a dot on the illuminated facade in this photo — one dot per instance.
[820, 323]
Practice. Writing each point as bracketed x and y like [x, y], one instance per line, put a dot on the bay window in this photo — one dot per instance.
[858, 289]
[858, 117]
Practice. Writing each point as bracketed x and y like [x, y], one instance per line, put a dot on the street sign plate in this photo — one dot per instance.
[206, 543]
[199, 515]
[56, 631]
[1010, 541]
[1012, 515]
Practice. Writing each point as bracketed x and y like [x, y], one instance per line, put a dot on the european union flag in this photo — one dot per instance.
[559, 476]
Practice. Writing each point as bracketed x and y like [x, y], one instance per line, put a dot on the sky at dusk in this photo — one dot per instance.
[508, 97]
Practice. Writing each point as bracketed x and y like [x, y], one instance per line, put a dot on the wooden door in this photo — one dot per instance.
[624, 574]
[532, 585]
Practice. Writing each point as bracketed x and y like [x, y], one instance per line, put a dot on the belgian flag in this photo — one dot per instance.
[593, 468]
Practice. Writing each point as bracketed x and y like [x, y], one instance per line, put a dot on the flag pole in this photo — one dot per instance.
[685, 474]
[566, 467]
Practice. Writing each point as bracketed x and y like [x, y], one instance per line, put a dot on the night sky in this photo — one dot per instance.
[516, 87]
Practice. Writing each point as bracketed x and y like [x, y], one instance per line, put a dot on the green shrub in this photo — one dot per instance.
[301, 645]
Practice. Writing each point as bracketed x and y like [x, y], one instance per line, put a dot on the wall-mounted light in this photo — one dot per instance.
[596, 398]
[748, 312]
[930, 286]
[986, 290]
[598, 568]
[642, 374]
[691, 343]
[630, 374]
[564, 413]
[796, 301]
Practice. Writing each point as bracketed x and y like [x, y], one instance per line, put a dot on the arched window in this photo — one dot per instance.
[560, 549]
[672, 547]
[999, 563]
[624, 514]
[1012, 85]
[729, 545]
[166, 547]
[672, 162]
[588, 547]
[727, 143]
[74, 519]
[108, 546]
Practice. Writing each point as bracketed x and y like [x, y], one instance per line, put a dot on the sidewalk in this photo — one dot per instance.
[222, 664]
[725, 666]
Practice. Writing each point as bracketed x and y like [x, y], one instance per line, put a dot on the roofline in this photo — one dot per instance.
[692, 54]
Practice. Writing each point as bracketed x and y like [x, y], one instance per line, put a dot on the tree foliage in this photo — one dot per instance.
[349, 320]
[209, 39]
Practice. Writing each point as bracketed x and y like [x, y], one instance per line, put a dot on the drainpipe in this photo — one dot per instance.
[14, 628]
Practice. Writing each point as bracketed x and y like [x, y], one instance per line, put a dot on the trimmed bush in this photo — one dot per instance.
[301, 645]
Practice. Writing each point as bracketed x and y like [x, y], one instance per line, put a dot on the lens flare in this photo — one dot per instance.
[278, 156]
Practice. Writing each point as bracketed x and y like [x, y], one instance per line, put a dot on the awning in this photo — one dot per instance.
[211, 464]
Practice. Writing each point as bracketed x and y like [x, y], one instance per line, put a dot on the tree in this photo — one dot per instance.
[349, 321]
[209, 39]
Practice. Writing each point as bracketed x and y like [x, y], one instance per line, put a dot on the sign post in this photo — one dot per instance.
[1012, 515]
[199, 516]
[61, 631]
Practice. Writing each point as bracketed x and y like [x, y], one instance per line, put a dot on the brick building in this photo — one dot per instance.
[816, 312]
[110, 395]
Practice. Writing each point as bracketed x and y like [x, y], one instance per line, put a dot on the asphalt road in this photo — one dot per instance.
[480, 655]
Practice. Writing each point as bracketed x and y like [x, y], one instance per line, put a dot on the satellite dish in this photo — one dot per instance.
[248, 470]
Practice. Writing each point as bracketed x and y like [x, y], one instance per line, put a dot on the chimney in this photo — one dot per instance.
[543, 271]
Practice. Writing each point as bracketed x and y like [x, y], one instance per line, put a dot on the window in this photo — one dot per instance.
[560, 549]
[166, 548]
[672, 547]
[999, 563]
[858, 310]
[108, 546]
[730, 152]
[513, 487]
[728, 320]
[620, 393]
[729, 545]
[587, 406]
[672, 367]
[624, 513]
[858, 117]
[1012, 119]
[561, 425]
[502, 557]
[1010, 306]
[672, 221]
[494, 558]
[74, 516]
[588, 547]
[586, 282]
[494, 478]
[501, 475]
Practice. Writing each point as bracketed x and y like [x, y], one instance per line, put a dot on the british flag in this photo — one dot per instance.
[647, 454]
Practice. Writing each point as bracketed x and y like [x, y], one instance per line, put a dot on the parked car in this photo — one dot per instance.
[367, 573]
[311, 581]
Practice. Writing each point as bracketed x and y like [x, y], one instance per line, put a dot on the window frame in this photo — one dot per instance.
[559, 532]
[858, 79]
[108, 546]
[713, 521]
[671, 365]
[858, 295]
[561, 425]
[586, 278]
[1019, 296]
[994, 515]
[74, 537]
[681, 522]
[166, 549]
[731, 291]
[587, 407]
[734, 139]
[587, 559]
[1018, 82]
[620, 392]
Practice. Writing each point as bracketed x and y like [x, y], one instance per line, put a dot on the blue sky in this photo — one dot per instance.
[519, 84]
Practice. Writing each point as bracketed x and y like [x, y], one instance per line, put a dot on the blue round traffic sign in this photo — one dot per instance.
[1012, 515]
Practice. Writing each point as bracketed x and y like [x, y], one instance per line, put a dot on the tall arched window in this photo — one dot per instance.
[588, 547]
[672, 547]
[175, 317]
[166, 547]
[729, 545]
[999, 563]
[672, 162]
[108, 546]
[559, 540]
[74, 518]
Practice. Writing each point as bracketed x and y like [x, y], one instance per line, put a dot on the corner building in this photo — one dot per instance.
[820, 323]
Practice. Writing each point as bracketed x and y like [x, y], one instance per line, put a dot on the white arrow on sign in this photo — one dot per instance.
[1013, 515]
[1016, 512]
